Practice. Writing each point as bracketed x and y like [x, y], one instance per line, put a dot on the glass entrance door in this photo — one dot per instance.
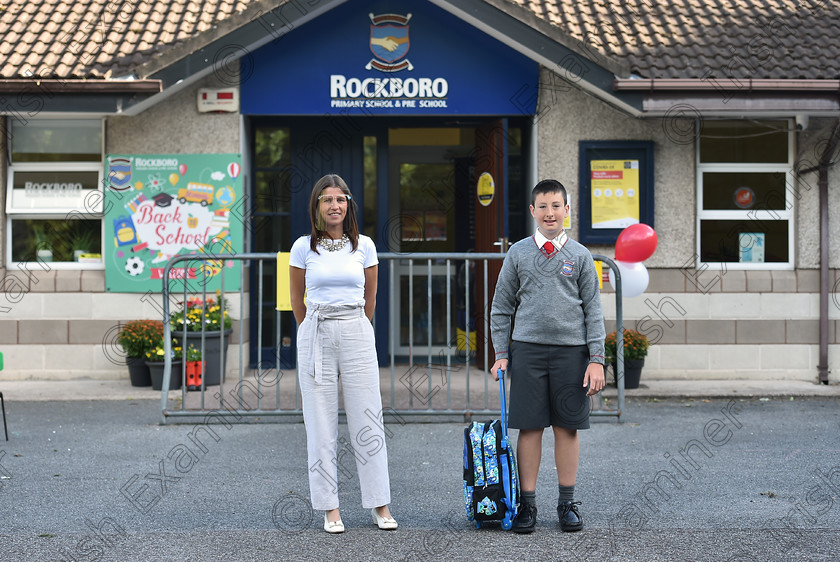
[430, 171]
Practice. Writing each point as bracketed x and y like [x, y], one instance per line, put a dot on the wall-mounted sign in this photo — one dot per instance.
[160, 206]
[616, 188]
[215, 99]
[403, 58]
[486, 189]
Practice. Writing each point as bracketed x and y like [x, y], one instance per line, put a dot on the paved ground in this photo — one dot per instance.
[752, 477]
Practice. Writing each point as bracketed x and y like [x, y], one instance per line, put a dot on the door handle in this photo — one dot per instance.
[503, 244]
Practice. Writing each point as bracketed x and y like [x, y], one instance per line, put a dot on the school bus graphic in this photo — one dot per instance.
[196, 193]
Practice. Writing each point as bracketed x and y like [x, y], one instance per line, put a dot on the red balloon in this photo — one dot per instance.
[636, 243]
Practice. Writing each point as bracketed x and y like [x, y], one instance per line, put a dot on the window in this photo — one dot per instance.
[54, 197]
[745, 195]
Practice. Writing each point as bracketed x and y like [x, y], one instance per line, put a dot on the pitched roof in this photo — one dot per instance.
[99, 38]
[767, 39]
[778, 39]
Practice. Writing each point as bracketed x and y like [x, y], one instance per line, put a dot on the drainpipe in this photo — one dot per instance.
[822, 184]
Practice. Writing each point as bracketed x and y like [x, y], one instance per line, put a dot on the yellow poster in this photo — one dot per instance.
[284, 295]
[567, 222]
[615, 193]
[599, 269]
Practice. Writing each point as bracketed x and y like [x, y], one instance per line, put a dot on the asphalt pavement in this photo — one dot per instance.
[747, 477]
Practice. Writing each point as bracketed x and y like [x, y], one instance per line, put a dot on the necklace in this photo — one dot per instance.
[333, 245]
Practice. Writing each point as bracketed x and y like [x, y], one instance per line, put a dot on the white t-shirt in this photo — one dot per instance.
[334, 277]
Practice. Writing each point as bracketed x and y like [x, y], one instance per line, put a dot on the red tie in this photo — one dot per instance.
[549, 248]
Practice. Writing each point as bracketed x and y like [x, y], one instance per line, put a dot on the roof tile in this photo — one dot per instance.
[663, 39]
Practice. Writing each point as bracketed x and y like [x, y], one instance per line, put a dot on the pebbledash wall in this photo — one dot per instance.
[705, 324]
[708, 324]
[62, 324]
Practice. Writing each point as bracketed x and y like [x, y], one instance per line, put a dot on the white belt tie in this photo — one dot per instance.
[317, 313]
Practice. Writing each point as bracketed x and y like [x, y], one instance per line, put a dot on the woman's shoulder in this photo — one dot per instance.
[302, 241]
[366, 242]
[300, 249]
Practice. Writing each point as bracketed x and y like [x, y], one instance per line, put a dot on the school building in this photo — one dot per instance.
[130, 123]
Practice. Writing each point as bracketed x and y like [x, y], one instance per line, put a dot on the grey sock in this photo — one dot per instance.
[567, 494]
[528, 498]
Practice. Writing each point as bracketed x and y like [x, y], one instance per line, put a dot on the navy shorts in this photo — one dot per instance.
[546, 386]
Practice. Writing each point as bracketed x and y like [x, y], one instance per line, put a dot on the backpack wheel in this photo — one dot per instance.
[507, 523]
[478, 524]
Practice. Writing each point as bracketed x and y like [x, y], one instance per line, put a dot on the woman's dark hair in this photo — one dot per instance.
[350, 226]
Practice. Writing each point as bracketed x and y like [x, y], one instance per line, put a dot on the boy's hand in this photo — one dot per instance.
[502, 364]
[594, 377]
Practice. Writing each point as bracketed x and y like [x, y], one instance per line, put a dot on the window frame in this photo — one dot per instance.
[55, 214]
[748, 214]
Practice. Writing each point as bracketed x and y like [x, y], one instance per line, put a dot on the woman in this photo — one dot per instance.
[337, 267]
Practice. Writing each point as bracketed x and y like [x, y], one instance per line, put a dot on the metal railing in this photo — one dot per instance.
[449, 381]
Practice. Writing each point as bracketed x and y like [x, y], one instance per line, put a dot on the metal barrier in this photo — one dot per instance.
[274, 393]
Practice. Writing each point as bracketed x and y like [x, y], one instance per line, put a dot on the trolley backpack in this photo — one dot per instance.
[491, 489]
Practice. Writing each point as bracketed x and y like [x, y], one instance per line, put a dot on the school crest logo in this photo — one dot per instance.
[568, 268]
[119, 173]
[389, 43]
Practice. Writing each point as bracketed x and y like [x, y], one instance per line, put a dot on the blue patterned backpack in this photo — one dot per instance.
[491, 489]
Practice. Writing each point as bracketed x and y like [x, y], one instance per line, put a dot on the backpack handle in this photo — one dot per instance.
[503, 402]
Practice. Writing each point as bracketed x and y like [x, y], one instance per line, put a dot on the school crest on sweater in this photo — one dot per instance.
[568, 268]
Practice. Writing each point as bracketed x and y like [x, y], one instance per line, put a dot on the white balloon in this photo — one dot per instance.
[634, 278]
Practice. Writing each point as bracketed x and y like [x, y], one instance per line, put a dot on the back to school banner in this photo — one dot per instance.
[158, 206]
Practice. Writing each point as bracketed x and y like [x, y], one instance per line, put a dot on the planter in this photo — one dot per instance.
[194, 370]
[632, 372]
[211, 353]
[138, 371]
[156, 374]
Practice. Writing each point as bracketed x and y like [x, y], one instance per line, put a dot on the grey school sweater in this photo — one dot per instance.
[552, 300]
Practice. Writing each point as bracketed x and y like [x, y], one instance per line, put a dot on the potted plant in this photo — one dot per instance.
[156, 360]
[136, 338]
[194, 368]
[635, 349]
[43, 244]
[211, 319]
[83, 241]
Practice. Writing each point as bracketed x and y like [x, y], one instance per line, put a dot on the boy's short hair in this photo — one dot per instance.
[548, 186]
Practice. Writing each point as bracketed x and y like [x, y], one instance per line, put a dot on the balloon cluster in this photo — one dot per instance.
[635, 244]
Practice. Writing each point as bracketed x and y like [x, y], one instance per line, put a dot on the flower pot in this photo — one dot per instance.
[138, 371]
[156, 374]
[632, 372]
[211, 353]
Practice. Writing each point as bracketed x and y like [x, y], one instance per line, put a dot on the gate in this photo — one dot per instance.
[435, 381]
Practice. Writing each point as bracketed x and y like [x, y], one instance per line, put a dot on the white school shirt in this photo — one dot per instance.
[334, 277]
[558, 242]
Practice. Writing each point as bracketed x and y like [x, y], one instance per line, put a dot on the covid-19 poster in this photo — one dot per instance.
[164, 205]
[615, 193]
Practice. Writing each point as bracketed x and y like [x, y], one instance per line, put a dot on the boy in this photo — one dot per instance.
[548, 289]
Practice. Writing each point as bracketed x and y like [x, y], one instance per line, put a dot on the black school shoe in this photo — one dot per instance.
[526, 519]
[570, 519]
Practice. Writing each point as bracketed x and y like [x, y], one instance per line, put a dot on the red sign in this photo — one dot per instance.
[744, 197]
[174, 273]
[607, 175]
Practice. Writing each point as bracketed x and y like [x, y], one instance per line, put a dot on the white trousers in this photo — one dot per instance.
[338, 341]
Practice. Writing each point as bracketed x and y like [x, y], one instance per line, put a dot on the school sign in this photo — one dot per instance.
[164, 205]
